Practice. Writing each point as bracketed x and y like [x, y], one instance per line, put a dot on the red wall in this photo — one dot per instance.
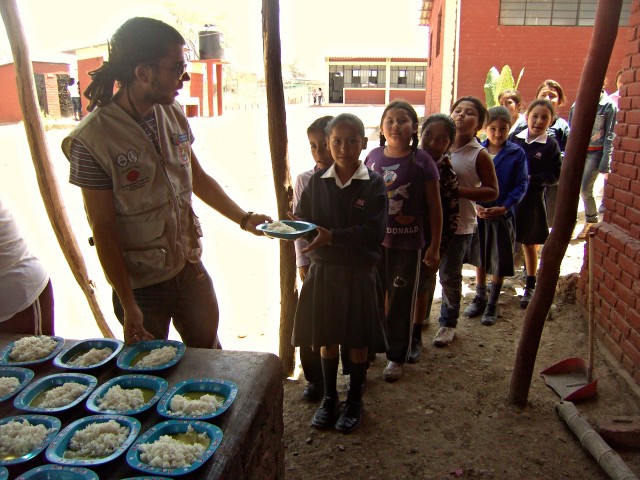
[545, 52]
[363, 96]
[434, 71]
[414, 97]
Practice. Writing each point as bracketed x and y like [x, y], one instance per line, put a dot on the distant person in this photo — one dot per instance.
[543, 164]
[320, 97]
[310, 359]
[73, 88]
[25, 287]
[512, 101]
[133, 159]
[615, 96]
[315, 96]
[339, 305]
[493, 241]
[412, 181]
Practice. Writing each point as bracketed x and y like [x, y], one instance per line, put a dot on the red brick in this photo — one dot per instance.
[626, 279]
[629, 266]
[633, 317]
[630, 352]
[634, 187]
[613, 347]
[628, 171]
[620, 220]
[626, 297]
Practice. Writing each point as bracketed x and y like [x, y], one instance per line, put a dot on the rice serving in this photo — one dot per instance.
[62, 395]
[32, 348]
[280, 227]
[158, 356]
[121, 399]
[19, 438]
[93, 356]
[97, 440]
[184, 406]
[167, 452]
[8, 385]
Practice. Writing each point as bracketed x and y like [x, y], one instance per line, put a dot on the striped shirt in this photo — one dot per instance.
[86, 171]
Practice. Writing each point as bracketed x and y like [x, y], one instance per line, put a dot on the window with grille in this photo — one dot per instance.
[555, 12]
[373, 77]
[355, 76]
[402, 77]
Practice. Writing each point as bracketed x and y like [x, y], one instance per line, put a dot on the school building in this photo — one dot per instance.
[547, 39]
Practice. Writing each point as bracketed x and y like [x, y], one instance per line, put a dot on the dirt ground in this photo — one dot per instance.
[448, 416]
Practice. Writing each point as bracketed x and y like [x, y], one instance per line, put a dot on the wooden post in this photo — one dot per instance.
[42, 161]
[277, 124]
[604, 36]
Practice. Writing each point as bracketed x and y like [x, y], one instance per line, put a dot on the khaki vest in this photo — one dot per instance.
[157, 229]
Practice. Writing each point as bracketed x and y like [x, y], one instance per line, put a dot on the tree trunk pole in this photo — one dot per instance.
[277, 120]
[604, 36]
[42, 161]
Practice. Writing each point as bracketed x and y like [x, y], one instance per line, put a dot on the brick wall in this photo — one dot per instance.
[434, 71]
[616, 286]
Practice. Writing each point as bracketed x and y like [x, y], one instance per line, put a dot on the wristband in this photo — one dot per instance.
[245, 219]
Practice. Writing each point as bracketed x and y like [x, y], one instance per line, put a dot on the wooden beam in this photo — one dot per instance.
[45, 173]
[277, 127]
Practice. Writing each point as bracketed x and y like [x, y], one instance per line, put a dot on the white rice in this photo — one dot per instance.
[93, 356]
[62, 395]
[19, 438]
[280, 227]
[167, 452]
[158, 356]
[32, 348]
[97, 440]
[185, 406]
[121, 399]
[8, 385]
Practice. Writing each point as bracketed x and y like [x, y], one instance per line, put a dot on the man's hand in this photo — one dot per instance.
[133, 329]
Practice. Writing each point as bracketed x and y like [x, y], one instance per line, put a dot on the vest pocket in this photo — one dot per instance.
[145, 248]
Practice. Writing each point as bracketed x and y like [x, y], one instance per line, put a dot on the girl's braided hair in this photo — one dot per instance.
[404, 105]
[139, 40]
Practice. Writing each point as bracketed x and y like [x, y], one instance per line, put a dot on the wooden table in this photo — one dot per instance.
[252, 445]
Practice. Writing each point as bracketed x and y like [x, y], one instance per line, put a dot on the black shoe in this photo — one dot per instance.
[490, 315]
[526, 297]
[312, 392]
[415, 351]
[476, 307]
[325, 416]
[351, 417]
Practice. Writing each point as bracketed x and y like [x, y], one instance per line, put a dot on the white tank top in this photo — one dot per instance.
[463, 161]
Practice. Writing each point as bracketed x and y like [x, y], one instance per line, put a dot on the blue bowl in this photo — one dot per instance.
[172, 427]
[59, 472]
[157, 384]
[24, 399]
[64, 357]
[52, 423]
[4, 473]
[24, 376]
[224, 388]
[4, 354]
[129, 353]
[302, 228]
[55, 451]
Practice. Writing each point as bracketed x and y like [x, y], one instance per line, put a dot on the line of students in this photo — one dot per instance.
[380, 237]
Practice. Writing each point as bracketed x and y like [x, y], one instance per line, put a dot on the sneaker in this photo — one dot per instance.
[476, 307]
[312, 392]
[415, 351]
[490, 315]
[393, 371]
[526, 297]
[444, 336]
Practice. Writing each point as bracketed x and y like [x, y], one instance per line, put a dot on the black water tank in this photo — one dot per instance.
[211, 43]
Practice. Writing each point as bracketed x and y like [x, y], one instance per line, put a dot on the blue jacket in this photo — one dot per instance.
[512, 173]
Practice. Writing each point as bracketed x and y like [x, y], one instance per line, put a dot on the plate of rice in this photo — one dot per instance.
[31, 350]
[48, 472]
[127, 394]
[174, 447]
[12, 380]
[4, 473]
[198, 399]
[23, 437]
[93, 440]
[286, 229]
[88, 354]
[55, 393]
[150, 355]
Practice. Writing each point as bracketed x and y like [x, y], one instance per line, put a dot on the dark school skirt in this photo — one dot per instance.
[492, 245]
[531, 218]
[340, 304]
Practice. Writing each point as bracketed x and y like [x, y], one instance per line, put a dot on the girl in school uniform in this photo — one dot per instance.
[512, 101]
[543, 163]
[411, 178]
[494, 239]
[338, 304]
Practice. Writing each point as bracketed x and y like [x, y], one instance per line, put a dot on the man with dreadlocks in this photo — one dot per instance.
[133, 160]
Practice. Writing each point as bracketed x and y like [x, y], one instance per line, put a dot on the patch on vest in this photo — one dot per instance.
[183, 154]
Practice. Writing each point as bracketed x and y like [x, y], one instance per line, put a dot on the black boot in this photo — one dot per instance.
[325, 416]
[351, 416]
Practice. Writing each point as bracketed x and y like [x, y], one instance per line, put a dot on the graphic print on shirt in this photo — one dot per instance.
[397, 196]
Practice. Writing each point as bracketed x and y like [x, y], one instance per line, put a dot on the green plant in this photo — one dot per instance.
[497, 82]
